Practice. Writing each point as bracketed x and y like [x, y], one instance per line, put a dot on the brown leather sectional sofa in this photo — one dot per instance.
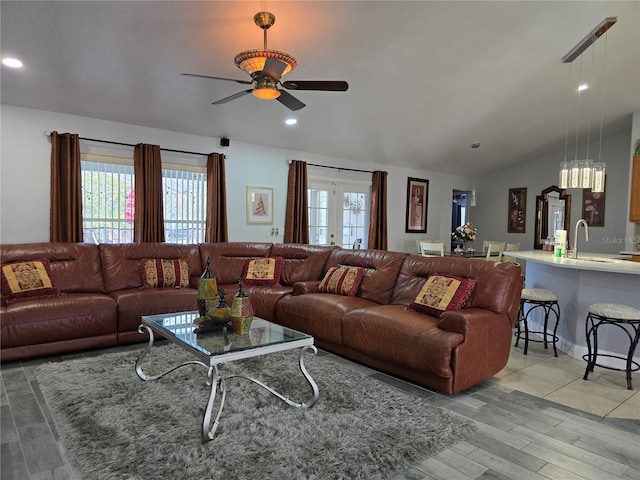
[104, 299]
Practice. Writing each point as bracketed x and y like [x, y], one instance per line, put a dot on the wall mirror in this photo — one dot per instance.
[553, 209]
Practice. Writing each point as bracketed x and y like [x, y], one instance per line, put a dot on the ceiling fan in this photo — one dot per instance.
[266, 68]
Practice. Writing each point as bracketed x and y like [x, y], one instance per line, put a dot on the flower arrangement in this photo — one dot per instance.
[466, 232]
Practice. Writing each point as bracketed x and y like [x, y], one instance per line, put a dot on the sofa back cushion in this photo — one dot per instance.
[381, 273]
[498, 285]
[75, 267]
[121, 262]
[228, 259]
[301, 262]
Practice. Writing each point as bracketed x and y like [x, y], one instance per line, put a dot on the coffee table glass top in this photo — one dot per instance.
[221, 341]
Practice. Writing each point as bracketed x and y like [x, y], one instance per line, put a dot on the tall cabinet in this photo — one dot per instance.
[634, 207]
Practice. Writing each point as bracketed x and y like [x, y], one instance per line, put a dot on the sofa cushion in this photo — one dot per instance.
[262, 271]
[301, 262]
[443, 292]
[28, 279]
[121, 262]
[159, 272]
[381, 266]
[342, 280]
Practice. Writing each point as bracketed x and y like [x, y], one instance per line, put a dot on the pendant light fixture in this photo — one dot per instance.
[473, 194]
[585, 173]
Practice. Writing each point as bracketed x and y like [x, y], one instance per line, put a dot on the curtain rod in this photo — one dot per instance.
[339, 168]
[48, 134]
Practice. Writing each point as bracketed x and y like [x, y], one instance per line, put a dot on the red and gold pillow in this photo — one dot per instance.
[441, 293]
[342, 280]
[160, 272]
[263, 271]
[29, 279]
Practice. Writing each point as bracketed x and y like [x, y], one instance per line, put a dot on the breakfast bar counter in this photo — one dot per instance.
[579, 283]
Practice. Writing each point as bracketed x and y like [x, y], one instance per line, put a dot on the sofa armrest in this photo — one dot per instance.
[300, 288]
[466, 320]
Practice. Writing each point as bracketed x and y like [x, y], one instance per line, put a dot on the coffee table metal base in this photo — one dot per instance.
[218, 383]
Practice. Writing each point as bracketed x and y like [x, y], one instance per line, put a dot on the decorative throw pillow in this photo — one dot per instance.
[263, 271]
[160, 272]
[342, 280]
[27, 280]
[443, 292]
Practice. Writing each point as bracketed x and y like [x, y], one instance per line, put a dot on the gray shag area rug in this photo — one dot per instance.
[112, 425]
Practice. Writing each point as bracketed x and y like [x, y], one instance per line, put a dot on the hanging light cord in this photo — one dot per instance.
[593, 50]
[578, 110]
[604, 72]
[566, 134]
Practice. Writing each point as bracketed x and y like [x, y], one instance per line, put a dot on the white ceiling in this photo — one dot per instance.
[426, 79]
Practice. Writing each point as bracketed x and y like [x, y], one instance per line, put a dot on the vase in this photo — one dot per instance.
[468, 248]
[458, 250]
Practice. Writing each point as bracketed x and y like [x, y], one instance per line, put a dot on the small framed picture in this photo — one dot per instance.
[417, 202]
[517, 221]
[260, 205]
[593, 207]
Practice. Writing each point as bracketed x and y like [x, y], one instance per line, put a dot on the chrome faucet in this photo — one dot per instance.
[582, 221]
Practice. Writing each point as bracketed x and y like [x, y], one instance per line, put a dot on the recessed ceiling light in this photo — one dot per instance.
[11, 62]
[291, 121]
[582, 86]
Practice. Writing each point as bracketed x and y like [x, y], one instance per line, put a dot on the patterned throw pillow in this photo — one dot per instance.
[443, 292]
[160, 272]
[27, 280]
[263, 271]
[342, 280]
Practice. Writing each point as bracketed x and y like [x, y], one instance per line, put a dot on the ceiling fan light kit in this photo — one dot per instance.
[266, 67]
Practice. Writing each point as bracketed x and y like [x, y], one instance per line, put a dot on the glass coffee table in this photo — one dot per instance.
[212, 347]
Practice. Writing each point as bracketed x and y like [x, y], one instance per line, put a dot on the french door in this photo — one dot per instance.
[338, 213]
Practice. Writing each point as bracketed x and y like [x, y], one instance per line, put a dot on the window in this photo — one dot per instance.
[343, 222]
[108, 200]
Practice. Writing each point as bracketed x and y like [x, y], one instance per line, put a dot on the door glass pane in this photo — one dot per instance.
[318, 216]
[354, 208]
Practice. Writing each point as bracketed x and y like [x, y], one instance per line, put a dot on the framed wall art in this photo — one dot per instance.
[517, 216]
[593, 207]
[417, 205]
[260, 205]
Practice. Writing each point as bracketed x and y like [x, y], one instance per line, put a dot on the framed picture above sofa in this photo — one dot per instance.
[417, 205]
[260, 205]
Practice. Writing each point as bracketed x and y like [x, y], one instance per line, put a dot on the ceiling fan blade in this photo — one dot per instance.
[243, 82]
[232, 97]
[330, 86]
[274, 68]
[289, 101]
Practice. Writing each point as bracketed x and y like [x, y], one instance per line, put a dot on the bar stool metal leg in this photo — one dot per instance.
[619, 316]
[548, 306]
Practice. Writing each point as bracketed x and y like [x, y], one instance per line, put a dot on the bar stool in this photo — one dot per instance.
[538, 298]
[619, 316]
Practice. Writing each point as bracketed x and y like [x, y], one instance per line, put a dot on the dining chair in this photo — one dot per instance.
[357, 244]
[494, 250]
[431, 249]
[418, 242]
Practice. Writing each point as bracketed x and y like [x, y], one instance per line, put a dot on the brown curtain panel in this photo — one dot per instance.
[148, 221]
[296, 223]
[66, 189]
[378, 211]
[216, 222]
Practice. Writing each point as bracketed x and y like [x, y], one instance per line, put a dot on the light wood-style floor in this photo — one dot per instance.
[537, 419]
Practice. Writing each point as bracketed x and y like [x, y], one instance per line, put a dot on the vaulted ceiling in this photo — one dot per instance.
[426, 79]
